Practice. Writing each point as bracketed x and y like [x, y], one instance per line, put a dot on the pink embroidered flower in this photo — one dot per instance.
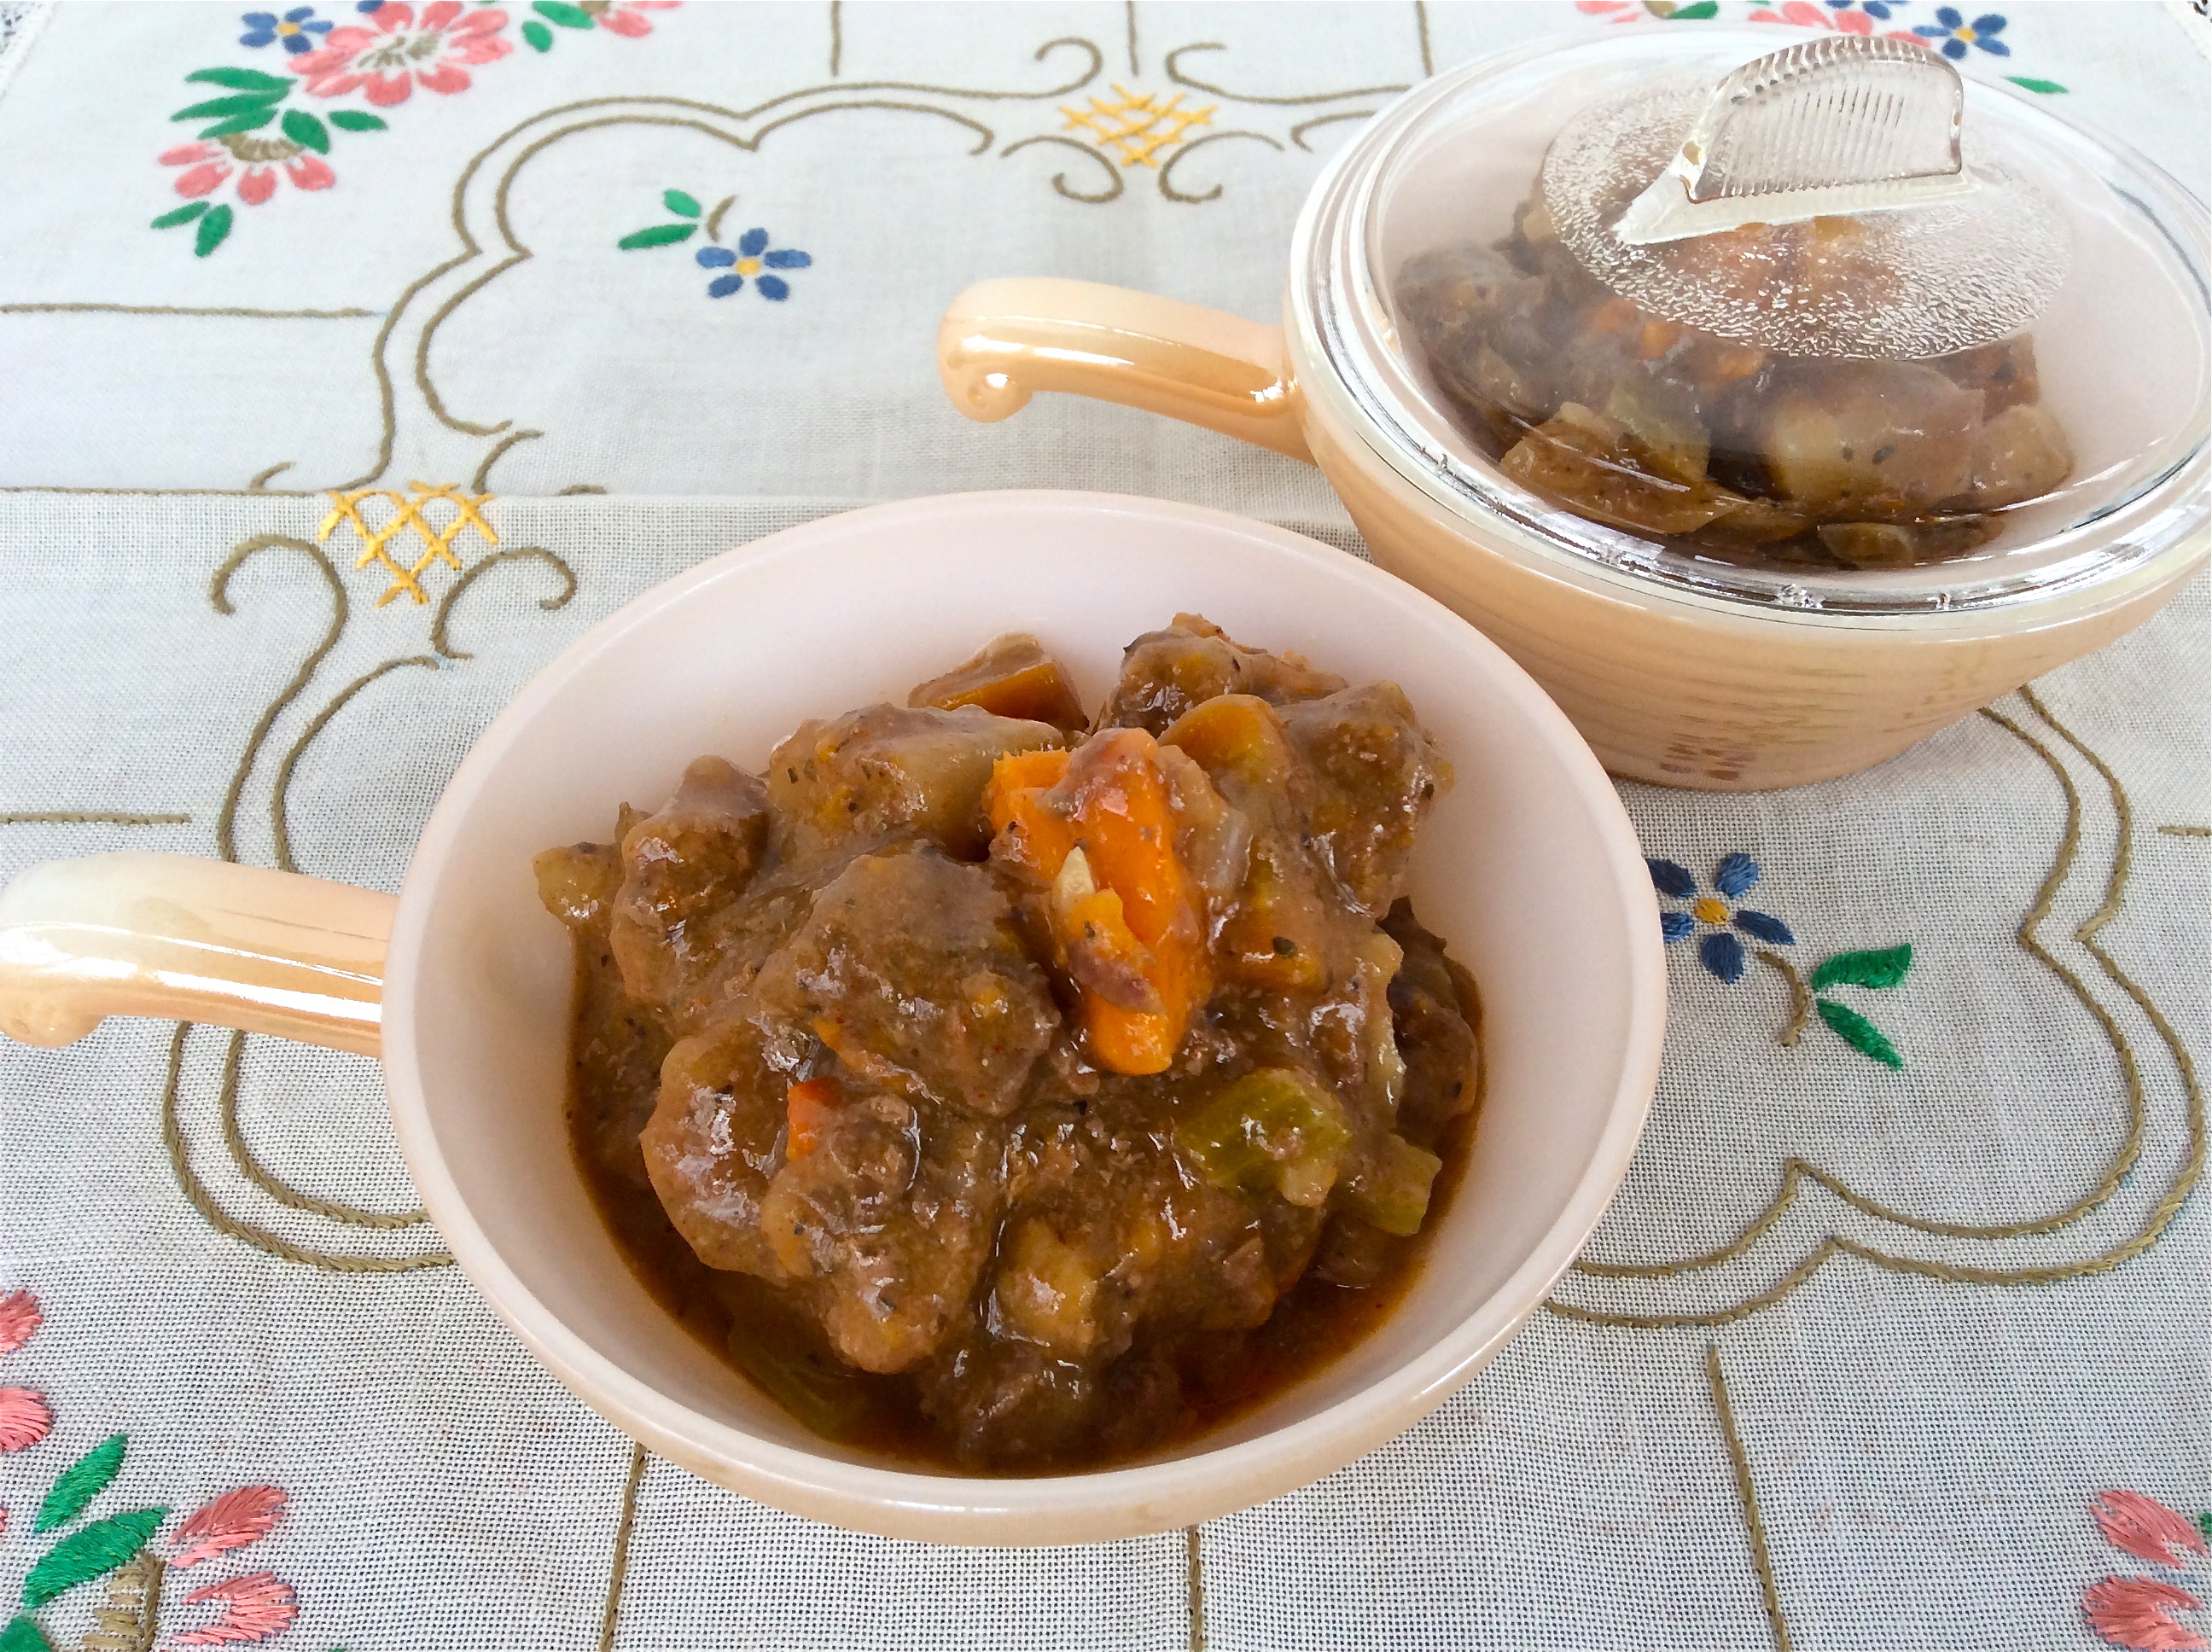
[1805, 15]
[25, 1419]
[628, 16]
[207, 164]
[2147, 1529]
[2138, 1613]
[254, 1608]
[231, 1522]
[19, 1318]
[386, 61]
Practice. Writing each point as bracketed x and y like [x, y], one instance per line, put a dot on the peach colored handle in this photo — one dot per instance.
[1003, 341]
[189, 939]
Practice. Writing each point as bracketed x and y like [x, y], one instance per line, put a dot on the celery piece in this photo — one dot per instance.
[1392, 1192]
[1273, 1130]
[835, 1403]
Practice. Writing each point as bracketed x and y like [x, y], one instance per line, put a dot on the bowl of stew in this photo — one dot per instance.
[1011, 1018]
[1758, 506]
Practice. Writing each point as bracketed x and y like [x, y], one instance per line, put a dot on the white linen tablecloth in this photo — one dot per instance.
[1910, 1428]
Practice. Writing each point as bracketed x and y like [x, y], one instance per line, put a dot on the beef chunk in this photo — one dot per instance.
[852, 784]
[888, 1215]
[910, 969]
[715, 1138]
[1165, 673]
[1376, 775]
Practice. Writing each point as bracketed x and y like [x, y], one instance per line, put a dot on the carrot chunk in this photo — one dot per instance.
[1130, 935]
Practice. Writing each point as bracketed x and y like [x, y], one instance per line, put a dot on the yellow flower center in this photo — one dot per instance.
[749, 266]
[288, 29]
[1711, 909]
[1966, 34]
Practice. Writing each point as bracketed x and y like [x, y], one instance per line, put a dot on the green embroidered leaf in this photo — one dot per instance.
[87, 1477]
[241, 80]
[2204, 1523]
[1861, 1034]
[680, 203]
[183, 215]
[354, 120]
[539, 36]
[245, 103]
[213, 228]
[306, 132]
[2033, 85]
[97, 1549]
[1697, 13]
[239, 124]
[1884, 969]
[659, 235]
[559, 12]
[22, 1634]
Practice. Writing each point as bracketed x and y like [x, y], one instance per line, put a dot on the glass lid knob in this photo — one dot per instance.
[1837, 126]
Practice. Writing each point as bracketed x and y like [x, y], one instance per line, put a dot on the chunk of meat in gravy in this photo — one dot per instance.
[1430, 998]
[1165, 673]
[1376, 776]
[888, 1218]
[909, 970]
[618, 1046]
[693, 856]
[861, 780]
[715, 1138]
[1013, 676]
[1012, 1402]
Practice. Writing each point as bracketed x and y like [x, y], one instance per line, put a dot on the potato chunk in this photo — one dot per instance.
[1876, 440]
[2021, 454]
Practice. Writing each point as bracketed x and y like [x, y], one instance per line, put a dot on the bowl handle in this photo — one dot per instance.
[186, 938]
[1003, 341]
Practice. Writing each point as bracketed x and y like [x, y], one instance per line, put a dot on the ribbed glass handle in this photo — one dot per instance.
[1834, 127]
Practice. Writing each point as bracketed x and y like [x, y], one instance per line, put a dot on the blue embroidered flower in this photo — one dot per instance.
[297, 28]
[752, 257]
[1719, 951]
[1876, 9]
[1957, 33]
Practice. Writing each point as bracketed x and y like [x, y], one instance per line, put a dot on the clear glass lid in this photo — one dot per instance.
[1805, 322]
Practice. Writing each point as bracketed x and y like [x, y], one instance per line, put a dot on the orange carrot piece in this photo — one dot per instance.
[807, 1105]
[1127, 828]
[1014, 799]
[1125, 825]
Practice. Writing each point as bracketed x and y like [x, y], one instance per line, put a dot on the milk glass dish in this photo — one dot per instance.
[1762, 487]
[1528, 868]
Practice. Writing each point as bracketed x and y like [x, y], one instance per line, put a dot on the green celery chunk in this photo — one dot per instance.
[834, 1403]
[1275, 1129]
[1393, 1193]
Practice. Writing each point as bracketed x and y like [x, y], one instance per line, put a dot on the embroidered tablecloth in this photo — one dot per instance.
[355, 358]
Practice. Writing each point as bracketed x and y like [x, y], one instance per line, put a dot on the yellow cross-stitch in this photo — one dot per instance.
[1137, 127]
[407, 512]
